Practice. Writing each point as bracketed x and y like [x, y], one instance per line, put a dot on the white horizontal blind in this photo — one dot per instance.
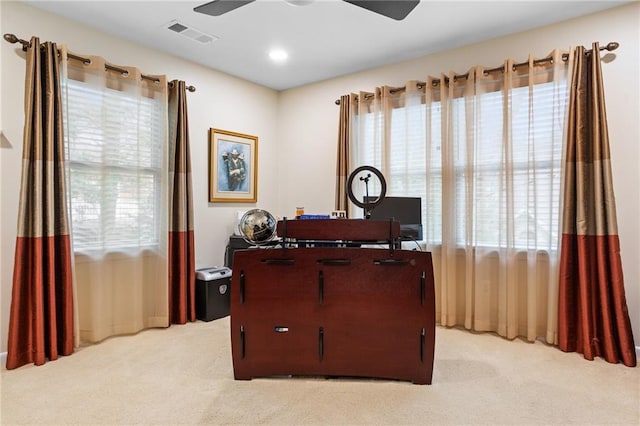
[515, 181]
[368, 126]
[533, 179]
[115, 153]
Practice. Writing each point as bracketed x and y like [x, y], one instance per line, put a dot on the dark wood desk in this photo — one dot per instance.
[333, 311]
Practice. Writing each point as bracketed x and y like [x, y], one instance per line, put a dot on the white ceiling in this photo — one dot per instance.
[325, 39]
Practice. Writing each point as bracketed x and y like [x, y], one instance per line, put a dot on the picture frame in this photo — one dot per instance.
[233, 167]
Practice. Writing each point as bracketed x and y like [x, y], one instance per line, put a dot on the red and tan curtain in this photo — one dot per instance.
[181, 237]
[592, 315]
[41, 324]
[342, 166]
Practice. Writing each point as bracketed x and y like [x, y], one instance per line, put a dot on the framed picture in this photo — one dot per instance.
[233, 167]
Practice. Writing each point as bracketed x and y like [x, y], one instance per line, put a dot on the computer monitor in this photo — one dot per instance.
[406, 210]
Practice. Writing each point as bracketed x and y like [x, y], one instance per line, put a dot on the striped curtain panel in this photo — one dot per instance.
[592, 314]
[342, 167]
[41, 323]
[181, 238]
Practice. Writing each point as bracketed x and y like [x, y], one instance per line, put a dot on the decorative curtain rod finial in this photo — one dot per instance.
[612, 46]
[11, 38]
[189, 88]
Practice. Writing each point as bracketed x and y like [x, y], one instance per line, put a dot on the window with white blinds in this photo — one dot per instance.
[522, 189]
[115, 166]
[489, 191]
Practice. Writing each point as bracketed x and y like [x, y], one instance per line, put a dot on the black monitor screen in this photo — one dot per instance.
[406, 210]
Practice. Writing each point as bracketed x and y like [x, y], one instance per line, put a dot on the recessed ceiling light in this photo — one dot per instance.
[278, 55]
[299, 2]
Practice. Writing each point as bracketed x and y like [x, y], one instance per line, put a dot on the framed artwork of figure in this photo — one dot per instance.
[233, 167]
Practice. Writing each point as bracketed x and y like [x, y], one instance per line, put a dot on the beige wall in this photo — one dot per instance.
[298, 128]
[308, 117]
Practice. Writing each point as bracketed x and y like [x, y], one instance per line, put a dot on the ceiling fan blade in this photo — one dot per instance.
[394, 9]
[220, 7]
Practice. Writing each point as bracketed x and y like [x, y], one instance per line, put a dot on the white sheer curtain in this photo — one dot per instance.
[484, 153]
[117, 138]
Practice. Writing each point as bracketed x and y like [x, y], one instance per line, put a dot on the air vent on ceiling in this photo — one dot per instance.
[191, 32]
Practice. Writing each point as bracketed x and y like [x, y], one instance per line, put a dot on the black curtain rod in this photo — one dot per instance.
[610, 47]
[11, 38]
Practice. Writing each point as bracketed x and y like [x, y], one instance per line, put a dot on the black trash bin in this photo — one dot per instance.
[213, 290]
[235, 243]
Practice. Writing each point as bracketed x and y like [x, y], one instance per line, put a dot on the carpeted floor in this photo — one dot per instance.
[184, 375]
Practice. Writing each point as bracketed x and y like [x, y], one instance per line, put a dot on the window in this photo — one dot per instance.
[115, 151]
[497, 180]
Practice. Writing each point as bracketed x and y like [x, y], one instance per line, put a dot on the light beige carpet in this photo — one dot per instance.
[184, 375]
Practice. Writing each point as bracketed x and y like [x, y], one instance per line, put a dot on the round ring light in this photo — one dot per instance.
[364, 174]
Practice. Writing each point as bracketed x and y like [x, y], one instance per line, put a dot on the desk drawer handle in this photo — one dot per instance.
[390, 261]
[242, 341]
[281, 329]
[242, 287]
[334, 262]
[278, 261]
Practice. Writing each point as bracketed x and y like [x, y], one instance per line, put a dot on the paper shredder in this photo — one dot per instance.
[213, 289]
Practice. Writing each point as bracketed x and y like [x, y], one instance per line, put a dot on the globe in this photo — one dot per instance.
[257, 226]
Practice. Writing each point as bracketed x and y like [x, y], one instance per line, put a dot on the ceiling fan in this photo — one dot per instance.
[394, 9]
